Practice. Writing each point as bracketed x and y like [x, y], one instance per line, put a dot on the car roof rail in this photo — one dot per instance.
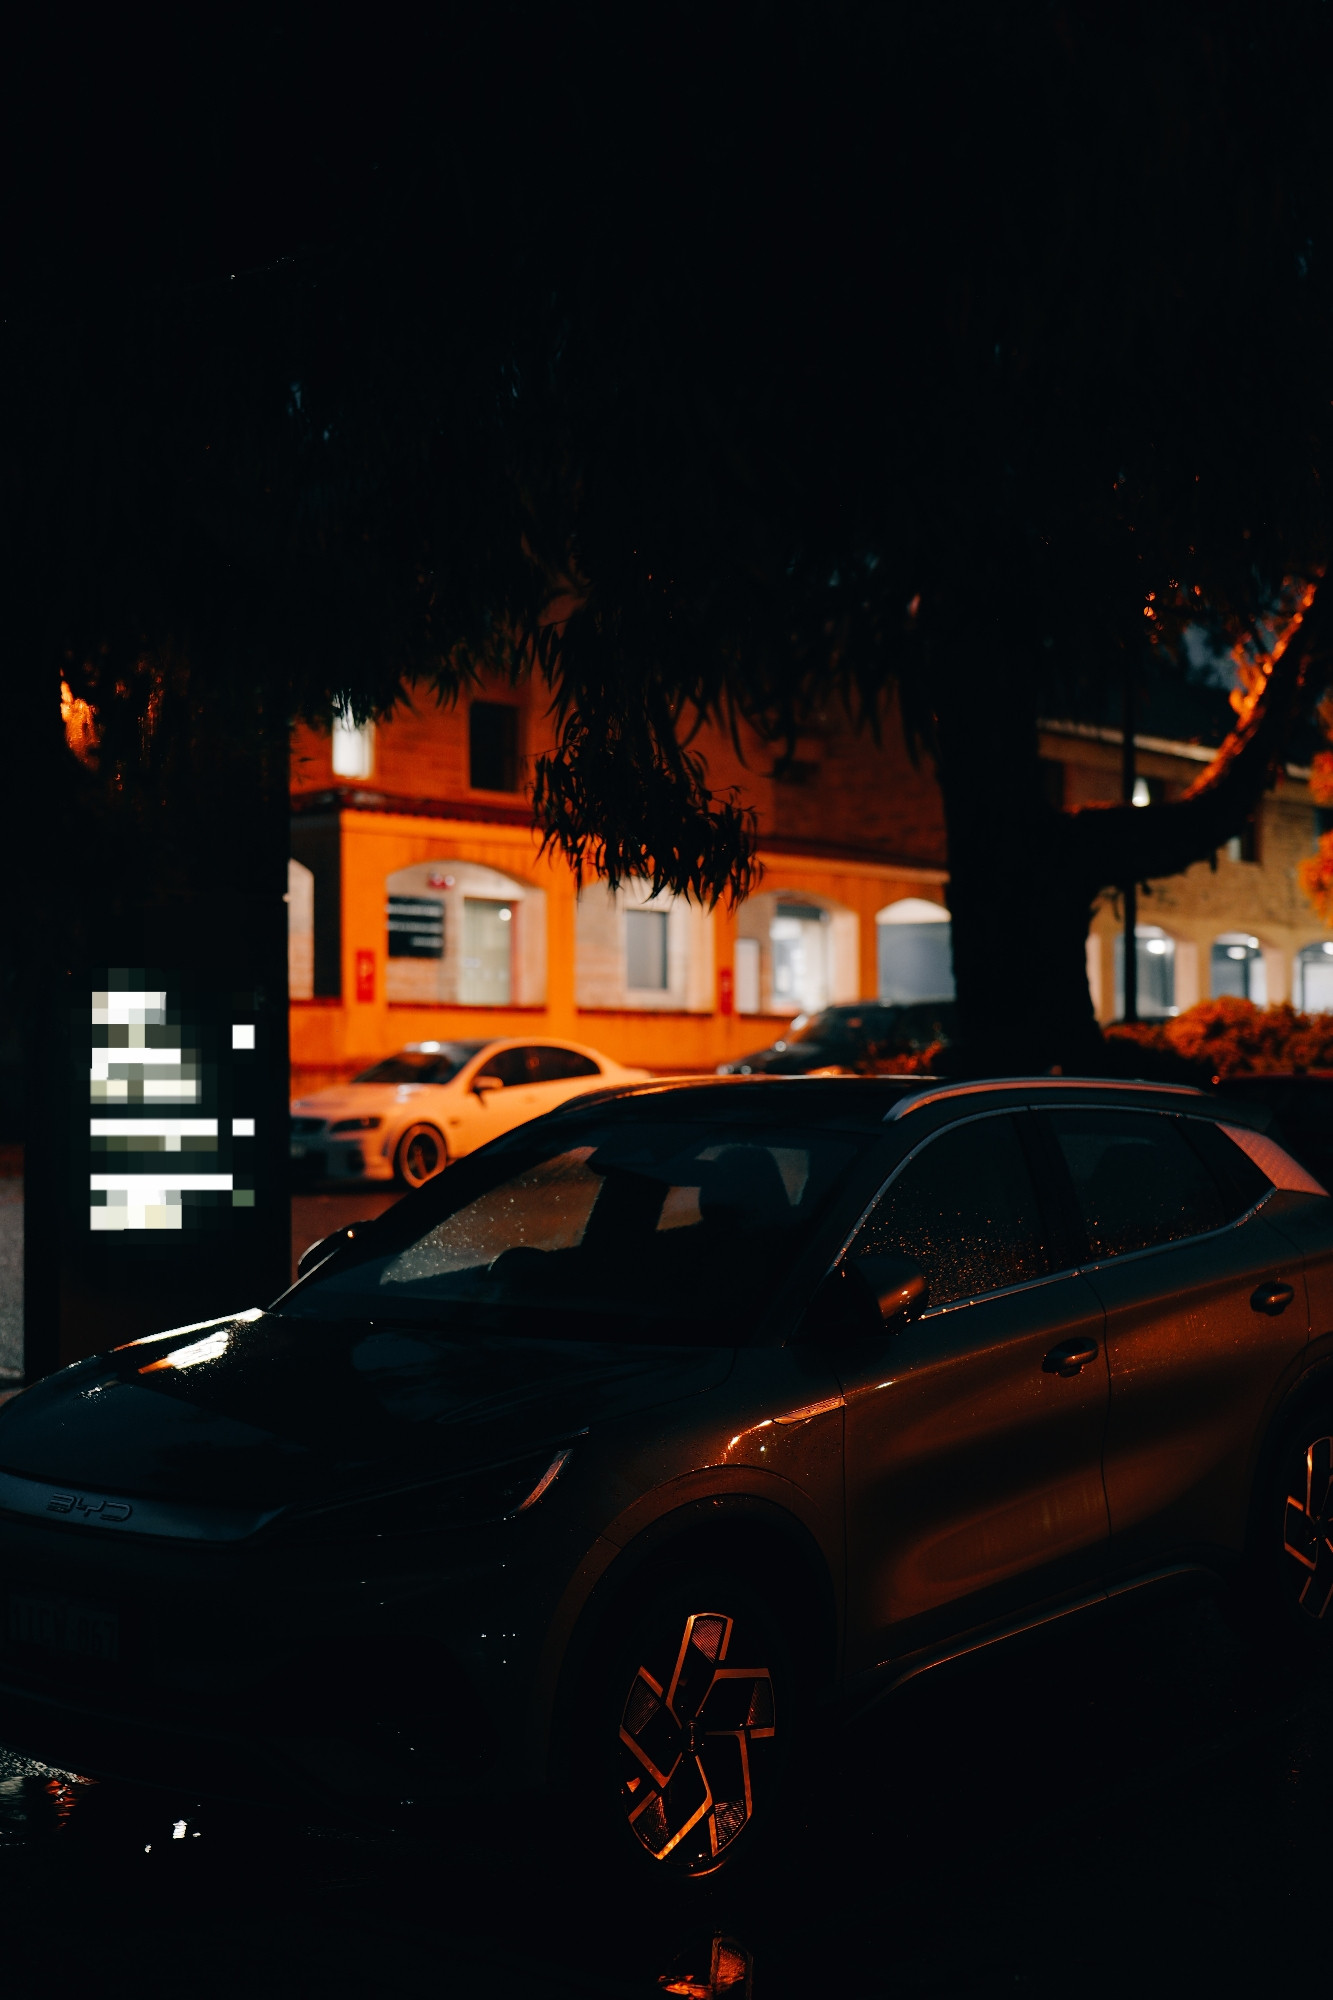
[947, 1090]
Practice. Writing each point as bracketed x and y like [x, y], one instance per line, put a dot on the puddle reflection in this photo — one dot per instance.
[729, 1974]
[35, 1801]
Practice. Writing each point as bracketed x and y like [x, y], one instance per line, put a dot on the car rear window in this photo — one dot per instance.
[1239, 1177]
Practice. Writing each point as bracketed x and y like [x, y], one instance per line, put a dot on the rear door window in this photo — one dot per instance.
[1137, 1180]
[1242, 1183]
[964, 1208]
[560, 1065]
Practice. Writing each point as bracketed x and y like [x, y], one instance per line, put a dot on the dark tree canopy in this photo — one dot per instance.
[953, 352]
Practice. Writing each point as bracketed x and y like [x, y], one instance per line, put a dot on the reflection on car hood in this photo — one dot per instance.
[267, 1411]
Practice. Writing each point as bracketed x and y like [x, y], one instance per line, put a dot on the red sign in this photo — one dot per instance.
[725, 989]
[365, 977]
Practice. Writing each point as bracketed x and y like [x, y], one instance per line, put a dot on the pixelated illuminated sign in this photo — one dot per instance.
[166, 1150]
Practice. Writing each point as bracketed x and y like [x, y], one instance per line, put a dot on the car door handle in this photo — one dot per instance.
[1069, 1357]
[1272, 1299]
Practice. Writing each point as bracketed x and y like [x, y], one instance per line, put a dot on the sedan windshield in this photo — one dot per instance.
[643, 1229]
[436, 1065]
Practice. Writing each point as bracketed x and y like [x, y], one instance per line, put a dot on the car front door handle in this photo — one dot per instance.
[1069, 1357]
[1272, 1299]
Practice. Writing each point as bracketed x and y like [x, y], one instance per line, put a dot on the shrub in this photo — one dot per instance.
[1231, 1037]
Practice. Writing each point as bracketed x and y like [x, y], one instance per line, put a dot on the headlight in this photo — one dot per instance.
[356, 1125]
[495, 1493]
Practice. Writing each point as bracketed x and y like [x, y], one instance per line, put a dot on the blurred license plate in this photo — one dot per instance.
[59, 1625]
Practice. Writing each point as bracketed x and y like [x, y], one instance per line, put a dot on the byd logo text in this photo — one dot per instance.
[91, 1510]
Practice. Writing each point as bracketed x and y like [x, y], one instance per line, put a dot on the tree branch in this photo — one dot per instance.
[1108, 844]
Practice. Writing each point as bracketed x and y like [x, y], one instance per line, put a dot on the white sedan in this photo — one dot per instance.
[407, 1117]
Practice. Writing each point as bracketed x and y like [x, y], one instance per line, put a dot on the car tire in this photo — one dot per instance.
[420, 1154]
[1285, 1590]
[689, 1724]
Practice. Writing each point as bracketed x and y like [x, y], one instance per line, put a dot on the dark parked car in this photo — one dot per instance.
[855, 1036]
[626, 1448]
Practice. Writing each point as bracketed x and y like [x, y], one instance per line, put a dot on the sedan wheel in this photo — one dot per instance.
[421, 1155]
[701, 1703]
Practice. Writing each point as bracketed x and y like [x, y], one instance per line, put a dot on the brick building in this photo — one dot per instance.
[422, 908]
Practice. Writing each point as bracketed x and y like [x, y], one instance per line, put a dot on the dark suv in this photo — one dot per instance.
[855, 1036]
[622, 1451]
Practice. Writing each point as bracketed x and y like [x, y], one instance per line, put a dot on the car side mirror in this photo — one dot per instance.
[482, 1086]
[900, 1287]
[316, 1254]
[865, 1297]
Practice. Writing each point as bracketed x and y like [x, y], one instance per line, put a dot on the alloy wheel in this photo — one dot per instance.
[421, 1155]
[1307, 1529]
[698, 1740]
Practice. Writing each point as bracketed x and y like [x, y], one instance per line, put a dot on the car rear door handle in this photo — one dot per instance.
[1272, 1299]
[1069, 1357]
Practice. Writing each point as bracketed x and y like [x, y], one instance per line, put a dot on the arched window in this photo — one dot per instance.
[914, 941]
[1236, 966]
[795, 953]
[300, 932]
[1314, 979]
[637, 950]
[1155, 958]
[464, 935]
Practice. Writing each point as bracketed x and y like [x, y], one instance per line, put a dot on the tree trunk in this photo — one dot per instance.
[1024, 877]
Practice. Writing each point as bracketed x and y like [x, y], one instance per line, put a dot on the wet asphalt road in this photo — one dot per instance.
[1132, 1806]
[1137, 1807]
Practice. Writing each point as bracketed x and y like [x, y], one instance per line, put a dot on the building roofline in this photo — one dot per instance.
[1164, 746]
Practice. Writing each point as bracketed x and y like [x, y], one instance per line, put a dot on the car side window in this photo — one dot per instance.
[510, 1065]
[965, 1209]
[559, 1065]
[1137, 1180]
[1241, 1182]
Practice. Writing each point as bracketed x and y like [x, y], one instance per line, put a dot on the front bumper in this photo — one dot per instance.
[325, 1159]
[245, 1673]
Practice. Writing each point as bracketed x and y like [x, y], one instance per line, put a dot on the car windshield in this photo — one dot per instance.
[645, 1229]
[435, 1065]
[833, 1025]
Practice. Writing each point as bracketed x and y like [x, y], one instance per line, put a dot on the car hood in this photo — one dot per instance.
[265, 1411]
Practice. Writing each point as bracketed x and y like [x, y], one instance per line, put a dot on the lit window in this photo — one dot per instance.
[353, 745]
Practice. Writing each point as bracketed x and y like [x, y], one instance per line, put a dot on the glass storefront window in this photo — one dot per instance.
[1314, 979]
[1236, 966]
[800, 958]
[488, 942]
